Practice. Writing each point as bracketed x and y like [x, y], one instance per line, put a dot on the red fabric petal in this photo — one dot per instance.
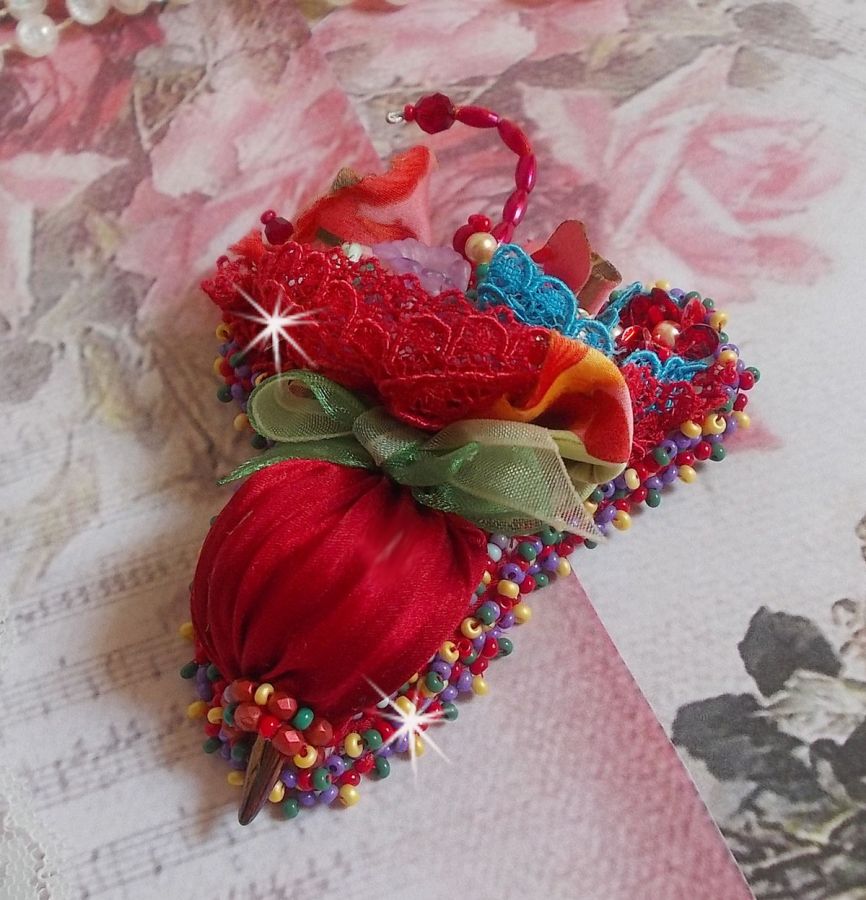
[567, 255]
[316, 577]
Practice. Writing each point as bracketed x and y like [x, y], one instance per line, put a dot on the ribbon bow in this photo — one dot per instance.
[504, 476]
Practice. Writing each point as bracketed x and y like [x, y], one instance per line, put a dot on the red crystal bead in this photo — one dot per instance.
[477, 116]
[514, 138]
[247, 716]
[288, 741]
[281, 705]
[268, 726]
[526, 172]
[320, 733]
[434, 113]
[278, 230]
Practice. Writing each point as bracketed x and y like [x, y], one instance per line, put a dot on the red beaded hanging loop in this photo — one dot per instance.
[435, 113]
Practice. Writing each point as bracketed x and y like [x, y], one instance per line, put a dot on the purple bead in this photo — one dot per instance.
[603, 527]
[401, 745]
[534, 569]
[441, 668]
[677, 293]
[551, 562]
[670, 447]
[449, 694]
[507, 621]
[225, 751]
[464, 682]
[713, 438]
[329, 795]
[512, 572]
[536, 543]
[619, 483]
[730, 426]
[741, 366]
[495, 632]
[203, 687]
[243, 371]
[307, 798]
[238, 391]
[238, 764]
[669, 475]
[501, 540]
[607, 490]
[478, 642]
[728, 346]
[335, 765]
[603, 516]
[224, 348]
[682, 442]
[386, 750]
[289, 777]
[653, 483]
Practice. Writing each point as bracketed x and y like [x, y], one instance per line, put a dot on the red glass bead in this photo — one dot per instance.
[515, 207]
[351, 777]
[480, 222]
[279, 230]
[479, 666]
[686, 458]
[464, 647]
[247, 716]
[642, 472]
[267, 216]
[638, 495]
[741, 402]
[456, 671]
[461, 236]
[729, 375]
[385, 728]
[212, 730]
[288, 741]
[268, 726]
[526, 172]
[305, 779]
[477, 116]
[281, 705]
[490, 648]
[623, 504]
[703, 450]
[747, 380]
[566, 546]
[434, 113]
[365, 764]
[514, 138]
[409, 112]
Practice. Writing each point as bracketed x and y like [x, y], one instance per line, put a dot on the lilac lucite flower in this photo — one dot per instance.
[437, 268]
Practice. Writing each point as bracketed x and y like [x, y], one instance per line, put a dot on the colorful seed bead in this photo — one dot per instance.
[687, 474]
[691, 429]
[197, 710]
[728, 356]
[479, 685]
[434, 682]
[263, 694]
[621, 520]
[321, 779]
[590, 507]
[563, 567]
[718, 320]
[508, 589]
[631, 478]
[186, 631]
[383, 767]
[291, 807]
[307, 759]
[349, 795]
[742, 419]
[526, 551]
[714, 424]
[470, 627]
[189, 670]
[303, 718]
[235, 779]
[448, 652]
[353, 745]
[278, 792]
[522, 613]
[372, 738]
[718, 453]
[406, 706]
[215, 715]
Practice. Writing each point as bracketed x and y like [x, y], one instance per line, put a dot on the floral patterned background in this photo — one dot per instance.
[714, 143]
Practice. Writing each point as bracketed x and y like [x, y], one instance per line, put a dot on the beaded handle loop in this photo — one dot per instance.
[477, 240]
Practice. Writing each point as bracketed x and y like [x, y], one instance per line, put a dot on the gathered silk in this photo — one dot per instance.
[320, 579]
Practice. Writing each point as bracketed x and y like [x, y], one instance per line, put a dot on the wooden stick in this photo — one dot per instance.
[263, 771]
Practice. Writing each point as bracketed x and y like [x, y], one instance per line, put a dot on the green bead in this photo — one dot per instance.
[372, 738]
[653, 498]
[709, 304]
[472, 295]
[229, 714]
[723, 337]
[383, 767]
[259, 442]
[542, 579]
[481, 590]
[211, 745]
[718, 453]
[728, 407]
[756, 373]
[661, 456]
[527, 551]
[620, 493]
[485, 614]
[450, 711]
[434, 682]
[224, 393]
[213, 673]
[481, 271]
[596, 496]
[303, 718]
[291, 808]
[468, 660]
[321, 779]
[590, 545]
[189, 670]
[240, 752]
[505, 646]
[237, 359]
[549, 536]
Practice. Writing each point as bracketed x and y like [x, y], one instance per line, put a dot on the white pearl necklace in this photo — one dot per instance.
[37, 34]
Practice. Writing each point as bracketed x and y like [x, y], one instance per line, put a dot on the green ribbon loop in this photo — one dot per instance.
[504, 476]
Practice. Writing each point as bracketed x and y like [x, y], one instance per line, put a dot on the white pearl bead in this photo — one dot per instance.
[37, 35]
[131, 7]
[20, 9]
[88, 12]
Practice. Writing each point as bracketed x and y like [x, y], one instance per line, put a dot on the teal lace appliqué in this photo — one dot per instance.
[515, 281]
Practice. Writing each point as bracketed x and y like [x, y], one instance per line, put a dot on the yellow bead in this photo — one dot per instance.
[217, 367]
[196, 710]
[691, 429]
[405, 705]
[687, 474]
[235, 779]
[425, 691]
[522, 613]
[414, 678]
[307, 759]
[622, 520]
[489, 627]
[240, 422]
[186, 631]
[448, 651]
[480, 247]
[262, 376]
[420, 747]
[590, 507]
[631, 479]
[349, 795]
[714, 424]
[278, 792]
[263, 693]
[223, 332]
[563, 567]
[479, 685]
[728, 356]
[718, 320]
[470, 627]
[742, 419]
[353, 744]
[215, 715]
[508, 589]
[662, 285]
[486, 578]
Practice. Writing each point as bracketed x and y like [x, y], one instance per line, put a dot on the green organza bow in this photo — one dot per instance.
[504, 476]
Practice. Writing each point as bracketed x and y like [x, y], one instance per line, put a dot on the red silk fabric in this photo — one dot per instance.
[316, 577]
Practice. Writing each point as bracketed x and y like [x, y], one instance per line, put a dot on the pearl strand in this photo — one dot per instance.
[37, 34]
